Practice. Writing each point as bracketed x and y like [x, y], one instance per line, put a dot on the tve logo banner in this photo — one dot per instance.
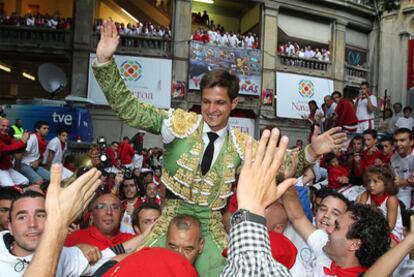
[77, 120]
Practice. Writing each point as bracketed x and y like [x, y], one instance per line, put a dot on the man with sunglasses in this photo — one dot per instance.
[106, 218]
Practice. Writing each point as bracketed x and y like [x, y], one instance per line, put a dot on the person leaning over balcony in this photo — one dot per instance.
[202, 153]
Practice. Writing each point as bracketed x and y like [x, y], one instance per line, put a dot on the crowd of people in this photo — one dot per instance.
[194, 215]
[296, 51]
[209, 33]
[37, 21]
[230, 39]
[147, 29]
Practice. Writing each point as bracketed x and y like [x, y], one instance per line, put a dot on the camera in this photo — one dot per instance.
[103, 157]
[127, 172]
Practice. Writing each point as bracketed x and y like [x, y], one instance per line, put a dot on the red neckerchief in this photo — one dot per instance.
[379, 199]
[42, 144]
[312, 115]
[6, 139]
[344, 272]
[62, 144]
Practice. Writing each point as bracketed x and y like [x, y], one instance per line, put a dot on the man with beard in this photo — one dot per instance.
[130, 191]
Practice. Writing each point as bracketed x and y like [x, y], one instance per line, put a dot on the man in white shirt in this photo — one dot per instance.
[330, 112]
[300, 229]
[55, 150]
[212, 34]
[406, 121]
[397, 114]
[222, 39]
[402, 162]
[233, 40]
[340, 249]
[365, 108]
[30, 20]
[27, 219]
[249, 40]
[33, 155]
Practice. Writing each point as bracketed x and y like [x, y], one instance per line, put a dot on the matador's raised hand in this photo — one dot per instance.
[108, 42]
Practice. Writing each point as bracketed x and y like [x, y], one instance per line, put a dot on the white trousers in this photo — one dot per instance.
[11, 177]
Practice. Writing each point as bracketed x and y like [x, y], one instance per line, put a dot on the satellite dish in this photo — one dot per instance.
[52, 78]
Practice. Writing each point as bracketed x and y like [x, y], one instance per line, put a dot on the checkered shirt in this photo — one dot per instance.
[249, 253]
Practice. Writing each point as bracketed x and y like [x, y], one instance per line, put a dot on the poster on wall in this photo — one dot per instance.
[178, 89]
[295, 91]
[149, 80]
[245, 63]
[267, 97]
[245, 125]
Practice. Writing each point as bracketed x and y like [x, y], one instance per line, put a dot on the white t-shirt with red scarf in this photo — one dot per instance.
[362, 108]
[33, 150]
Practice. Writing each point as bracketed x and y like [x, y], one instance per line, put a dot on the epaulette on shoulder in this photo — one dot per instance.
[182, 123]
[239, 140]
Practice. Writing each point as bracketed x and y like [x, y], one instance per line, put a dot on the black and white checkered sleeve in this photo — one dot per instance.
[249, 253]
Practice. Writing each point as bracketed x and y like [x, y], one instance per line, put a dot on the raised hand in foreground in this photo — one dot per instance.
[63, 206]
[257, 187]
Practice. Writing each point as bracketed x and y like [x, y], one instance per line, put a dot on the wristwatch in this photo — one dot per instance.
[244, 215]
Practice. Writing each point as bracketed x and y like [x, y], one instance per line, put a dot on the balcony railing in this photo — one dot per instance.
[369, 3]
[356, 72]
[30, 37]
[147, 45]
[311, 64]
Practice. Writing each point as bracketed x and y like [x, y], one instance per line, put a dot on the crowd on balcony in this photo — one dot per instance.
[294, 50]
[209, 33]
[230, 39]
[147, 29]
[37, 21]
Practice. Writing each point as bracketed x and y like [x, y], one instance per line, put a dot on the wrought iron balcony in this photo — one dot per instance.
[311, 64]
[142, 45]
[34, 37]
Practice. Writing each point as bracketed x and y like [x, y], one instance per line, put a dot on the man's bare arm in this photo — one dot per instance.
[296, 214]
[63, 205]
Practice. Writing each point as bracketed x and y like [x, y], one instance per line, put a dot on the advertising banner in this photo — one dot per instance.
[245, 125]
[410, 65]
[149, 79]
[295, 91]
[77, 120]
[245, 63]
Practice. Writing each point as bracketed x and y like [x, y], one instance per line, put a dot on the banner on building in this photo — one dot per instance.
[245, 125]
[246, 63]
[149, 79]
[410, 65]
[295, 91]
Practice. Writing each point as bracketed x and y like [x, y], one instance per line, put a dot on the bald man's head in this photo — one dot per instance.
[276, 217]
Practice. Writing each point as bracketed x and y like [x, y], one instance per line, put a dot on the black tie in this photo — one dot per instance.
[208, 154]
